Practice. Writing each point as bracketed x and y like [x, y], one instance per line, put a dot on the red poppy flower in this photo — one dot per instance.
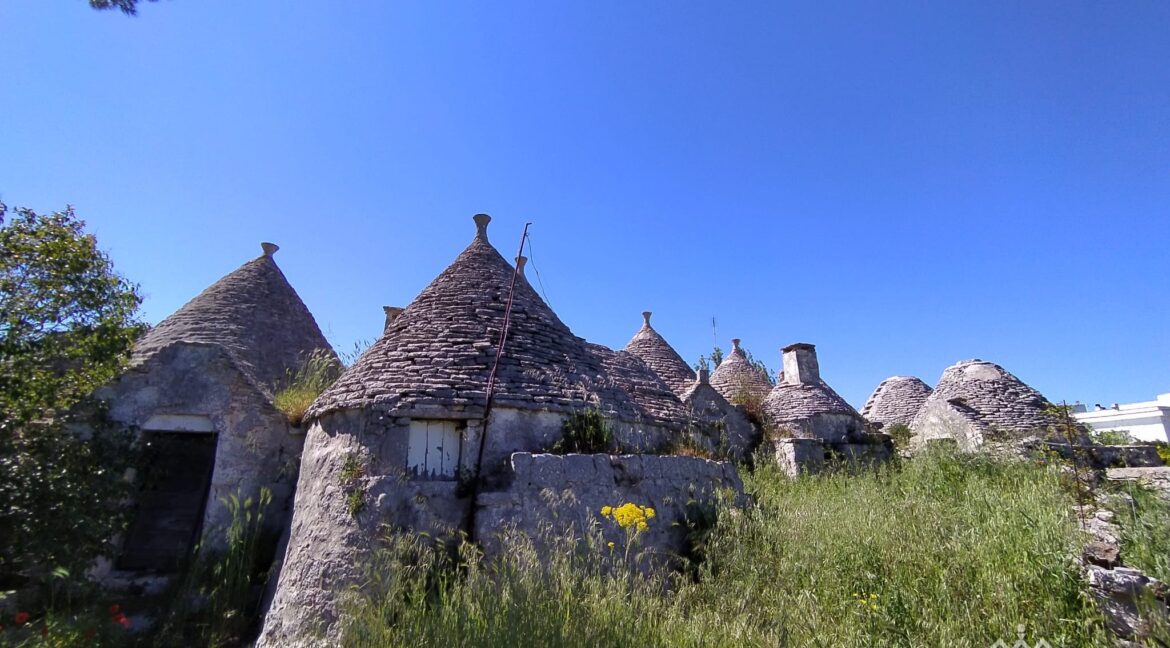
[21, 618]
[44, 632]
[115, 609]
[122, 620]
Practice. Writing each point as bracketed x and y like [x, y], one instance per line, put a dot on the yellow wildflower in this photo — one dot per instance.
[630, 515]
[609, 544]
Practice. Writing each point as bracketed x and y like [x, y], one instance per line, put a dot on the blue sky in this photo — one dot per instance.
[904, 185]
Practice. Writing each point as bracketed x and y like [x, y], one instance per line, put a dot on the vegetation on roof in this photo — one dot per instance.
[318, 371]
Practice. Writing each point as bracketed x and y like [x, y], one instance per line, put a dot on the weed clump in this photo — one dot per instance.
[302, 386]
[585, 431]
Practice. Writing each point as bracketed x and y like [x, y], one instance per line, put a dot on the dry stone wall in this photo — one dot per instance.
[565, 493]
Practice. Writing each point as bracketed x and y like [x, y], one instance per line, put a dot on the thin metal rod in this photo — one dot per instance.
[491, 386]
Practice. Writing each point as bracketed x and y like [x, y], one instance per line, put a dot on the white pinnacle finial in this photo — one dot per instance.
[269, 248]
[646, 317]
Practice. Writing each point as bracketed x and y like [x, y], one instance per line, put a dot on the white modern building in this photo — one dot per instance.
[1146, 421]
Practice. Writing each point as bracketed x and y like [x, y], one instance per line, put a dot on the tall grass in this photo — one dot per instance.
[318, 371]
[944, 551]
[216, 601]
[1145, 530]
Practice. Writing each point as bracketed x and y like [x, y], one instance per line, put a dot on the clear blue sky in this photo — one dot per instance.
[904, 185]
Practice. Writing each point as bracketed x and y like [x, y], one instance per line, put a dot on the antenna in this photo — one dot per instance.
[491, 379]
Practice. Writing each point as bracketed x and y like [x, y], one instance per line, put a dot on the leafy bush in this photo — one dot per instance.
[946, 551]
[1113, 437]
[1163, 450]
[67, 322]
[584, 431]
[318, 371]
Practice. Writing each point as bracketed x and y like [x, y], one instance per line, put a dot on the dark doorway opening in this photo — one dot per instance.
[168, 518]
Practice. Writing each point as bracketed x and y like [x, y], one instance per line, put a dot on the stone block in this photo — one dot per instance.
[796, 456]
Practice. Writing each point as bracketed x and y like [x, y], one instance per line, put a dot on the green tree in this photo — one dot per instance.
[67, 323]
[128, 7]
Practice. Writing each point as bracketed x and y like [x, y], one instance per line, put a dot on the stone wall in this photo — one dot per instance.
[565, 493]
[830, 427]
[1109, 456]
[938, 419]
[719, 423]
[797, 456]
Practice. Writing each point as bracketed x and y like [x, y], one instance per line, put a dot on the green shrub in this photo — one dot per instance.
[901, 434]
[585, 431]
[319, 370]
[67, 324]
[946, 551]
[1163, 450]
[1113, 437]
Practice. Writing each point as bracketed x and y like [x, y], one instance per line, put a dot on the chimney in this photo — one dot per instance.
[481, 223]
[520, 261]
[646, 318]
[704, 376]
[392, 313]
[269, 248]
[800, 364]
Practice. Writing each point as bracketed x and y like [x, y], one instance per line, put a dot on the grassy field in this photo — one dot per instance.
[940, 551]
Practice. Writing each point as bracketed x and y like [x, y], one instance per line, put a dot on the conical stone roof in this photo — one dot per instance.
[439, 352]
[801, 401]
[736, 375]
[896, 400]
[988, 393]
[253, 314]
[648, 391]
[656, 352]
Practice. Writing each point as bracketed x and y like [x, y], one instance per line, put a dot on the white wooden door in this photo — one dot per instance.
[433, 449]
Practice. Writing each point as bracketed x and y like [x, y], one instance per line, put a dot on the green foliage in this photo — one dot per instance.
[317, 372]
[216, 602]
[585, 431]
[67, 323]
[1113, 437]
[1144, 518]
[60, 496]
[946, 551]
[1163, 450]
[67, 319]
[94, 625]
[900, 433]
[128, 7]
[350, 480]
[348, 358]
